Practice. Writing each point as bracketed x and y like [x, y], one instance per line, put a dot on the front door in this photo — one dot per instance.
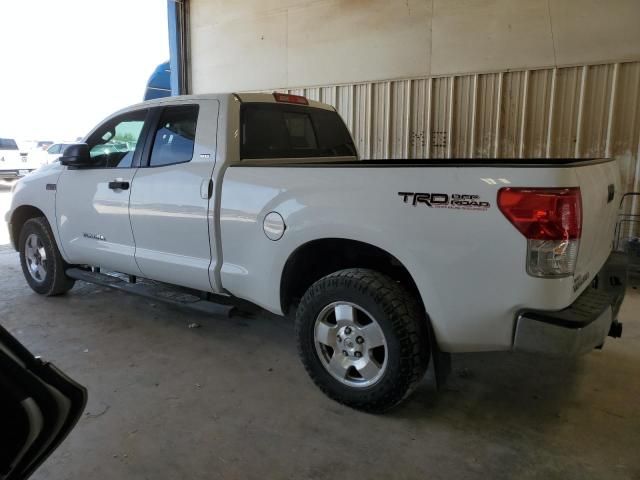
[170, 196]
[92, 203]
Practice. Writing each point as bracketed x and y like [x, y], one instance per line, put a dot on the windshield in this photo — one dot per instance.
[8, 144]
[291, 131]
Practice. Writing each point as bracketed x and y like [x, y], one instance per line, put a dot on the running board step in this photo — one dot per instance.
[153, 290]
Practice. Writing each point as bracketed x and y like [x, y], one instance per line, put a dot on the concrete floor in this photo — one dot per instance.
[231, 400]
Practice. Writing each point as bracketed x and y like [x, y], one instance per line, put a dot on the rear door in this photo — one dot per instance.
[171, 192]
[39, 406]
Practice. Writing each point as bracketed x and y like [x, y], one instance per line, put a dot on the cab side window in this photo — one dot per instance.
[175, 136]
[113, 144]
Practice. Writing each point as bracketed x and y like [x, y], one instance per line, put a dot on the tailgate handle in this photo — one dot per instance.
[611, 193]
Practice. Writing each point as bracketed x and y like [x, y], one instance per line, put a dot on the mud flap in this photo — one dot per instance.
[440, 362]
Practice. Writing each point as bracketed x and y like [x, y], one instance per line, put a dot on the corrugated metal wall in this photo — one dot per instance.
[580, 111]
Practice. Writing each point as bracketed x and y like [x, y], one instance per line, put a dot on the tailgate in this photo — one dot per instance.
[10, 159]
[599, 214]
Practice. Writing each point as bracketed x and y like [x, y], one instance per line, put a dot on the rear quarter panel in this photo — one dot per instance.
[599, 215]
[469, 265]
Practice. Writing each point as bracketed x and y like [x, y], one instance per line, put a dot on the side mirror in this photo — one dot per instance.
[76, 155]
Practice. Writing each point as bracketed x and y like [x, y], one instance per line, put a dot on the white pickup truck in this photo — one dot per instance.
[386, 264]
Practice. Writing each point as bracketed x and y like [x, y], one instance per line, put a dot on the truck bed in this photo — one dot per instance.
[431, 162]
[468, 263]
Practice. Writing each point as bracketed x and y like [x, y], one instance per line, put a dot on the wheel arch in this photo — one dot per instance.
[19, 217]
[320, 257]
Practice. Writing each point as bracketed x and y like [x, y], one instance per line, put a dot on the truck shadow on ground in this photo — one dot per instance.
[512, 388]
[485, 392]
[490, 385]
[486, 386]
[505, 385]
[532, 400]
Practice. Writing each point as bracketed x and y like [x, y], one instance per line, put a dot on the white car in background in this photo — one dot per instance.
[47, 153]
[13, 164]
[53, 153]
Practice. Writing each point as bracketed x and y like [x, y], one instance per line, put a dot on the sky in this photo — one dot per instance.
[67, 64]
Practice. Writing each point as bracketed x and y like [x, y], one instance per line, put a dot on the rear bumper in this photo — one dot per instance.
[583, 325]
[13, 174]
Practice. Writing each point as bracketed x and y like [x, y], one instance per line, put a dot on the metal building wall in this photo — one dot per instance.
[580, 111]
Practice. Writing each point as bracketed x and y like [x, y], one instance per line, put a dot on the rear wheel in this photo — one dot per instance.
[362, 338]
[42, 264]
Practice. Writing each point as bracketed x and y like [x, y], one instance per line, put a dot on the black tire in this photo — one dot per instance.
[54, 281]
[401, 320]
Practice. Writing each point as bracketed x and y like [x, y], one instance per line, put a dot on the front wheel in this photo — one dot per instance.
[362, 338]
[42, 264]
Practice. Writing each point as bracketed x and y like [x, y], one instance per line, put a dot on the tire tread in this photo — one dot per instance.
[60, 283]
[408, 324]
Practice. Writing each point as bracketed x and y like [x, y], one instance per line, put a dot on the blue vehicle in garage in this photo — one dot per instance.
[159, 84]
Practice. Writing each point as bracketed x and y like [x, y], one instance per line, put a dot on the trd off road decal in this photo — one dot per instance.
[456, 201]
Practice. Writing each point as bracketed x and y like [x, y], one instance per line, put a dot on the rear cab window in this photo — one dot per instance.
[8, 144]
[279, 130]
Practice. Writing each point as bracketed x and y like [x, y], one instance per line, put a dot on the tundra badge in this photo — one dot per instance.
[94, 236]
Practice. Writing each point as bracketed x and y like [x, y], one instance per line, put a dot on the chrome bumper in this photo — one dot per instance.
[13, 174]
[534, 335]
[582, 326]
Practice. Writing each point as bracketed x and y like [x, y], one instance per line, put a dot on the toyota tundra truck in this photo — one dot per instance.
[385, 265]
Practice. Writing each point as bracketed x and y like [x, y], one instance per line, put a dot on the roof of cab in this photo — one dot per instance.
[270, 98]
[243, 97]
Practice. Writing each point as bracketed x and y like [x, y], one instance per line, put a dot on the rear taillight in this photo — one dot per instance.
[551, 221]
[286, 98]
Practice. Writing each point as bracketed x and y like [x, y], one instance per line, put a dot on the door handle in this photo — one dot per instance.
[206, 189]
[117, 185]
